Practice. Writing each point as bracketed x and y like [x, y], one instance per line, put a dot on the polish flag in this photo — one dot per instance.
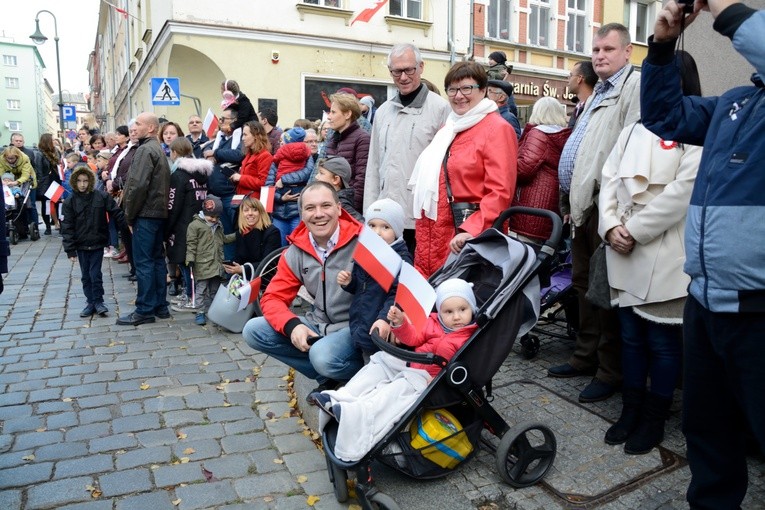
[236, 200]
[54, 192]
[377, 258]
[267, 198]
[367, 14]
[249, 293]
[210, 124]
[414, 295]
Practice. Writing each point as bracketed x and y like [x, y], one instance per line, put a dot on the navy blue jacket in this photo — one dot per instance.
[724, 227]
[227, 162]
[370, 301]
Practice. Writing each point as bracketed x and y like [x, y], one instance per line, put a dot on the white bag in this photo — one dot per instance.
[224, 310]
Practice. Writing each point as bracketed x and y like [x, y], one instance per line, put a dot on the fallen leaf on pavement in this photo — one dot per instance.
[208, 475]
[185, 460]
[28, 457]
[144, 386]
[43, 429]
[177, 502]
[67, 399]
[189, 451]
[302, 479]
[312, 500]
[181, 435]
[268, 499]
[226, 404]
[205, 363]
[270, 414]
[278, 461]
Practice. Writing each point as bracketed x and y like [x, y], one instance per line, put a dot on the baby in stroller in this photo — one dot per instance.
[372, 402]
[15, 191]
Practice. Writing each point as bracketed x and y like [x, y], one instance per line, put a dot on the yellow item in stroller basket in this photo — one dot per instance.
[429, 435]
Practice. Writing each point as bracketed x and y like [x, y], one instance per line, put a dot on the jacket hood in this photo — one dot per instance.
[296, 152]
[83, 170]
[194, 166]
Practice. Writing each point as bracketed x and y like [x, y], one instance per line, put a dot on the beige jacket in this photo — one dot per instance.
[620, 107]
[646, 187]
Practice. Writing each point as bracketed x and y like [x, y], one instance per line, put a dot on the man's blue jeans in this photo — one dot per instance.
[229, 226]
[332, 357]
[285, 226]
[150, 268]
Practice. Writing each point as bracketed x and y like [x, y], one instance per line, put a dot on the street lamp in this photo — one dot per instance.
[38, 39]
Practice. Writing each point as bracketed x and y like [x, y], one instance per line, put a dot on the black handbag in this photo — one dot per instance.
[598, 290]
[461, 211]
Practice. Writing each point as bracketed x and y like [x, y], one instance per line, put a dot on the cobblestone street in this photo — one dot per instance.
[172, 415]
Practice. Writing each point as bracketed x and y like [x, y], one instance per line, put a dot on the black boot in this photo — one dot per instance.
[650, 431]
[172, 287]
[46, 220]
[632, 403]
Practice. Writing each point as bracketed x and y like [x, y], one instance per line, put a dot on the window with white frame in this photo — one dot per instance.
[499, 19]
[13, 104]
[11, 83]
[639, 17]
[9, 60]
[14, 125]
[539, 22]
[324, 3]
[576, 22]
[406, 8]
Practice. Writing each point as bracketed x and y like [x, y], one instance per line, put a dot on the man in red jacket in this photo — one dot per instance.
[318, 344]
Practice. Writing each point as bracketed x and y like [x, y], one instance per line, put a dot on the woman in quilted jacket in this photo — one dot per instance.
[538, 153]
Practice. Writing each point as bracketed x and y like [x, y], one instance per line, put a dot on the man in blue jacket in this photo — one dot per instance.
[724, 322]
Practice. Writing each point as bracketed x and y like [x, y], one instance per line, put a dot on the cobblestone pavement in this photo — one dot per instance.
[172, 415]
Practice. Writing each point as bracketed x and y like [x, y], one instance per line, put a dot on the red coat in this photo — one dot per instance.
[482, 169]
[433, 339]
[254, 171]
[538, 156]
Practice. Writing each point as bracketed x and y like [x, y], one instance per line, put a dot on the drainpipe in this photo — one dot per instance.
[450, 31]
[469, 55]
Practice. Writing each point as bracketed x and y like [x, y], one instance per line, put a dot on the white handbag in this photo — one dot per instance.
[224, 310]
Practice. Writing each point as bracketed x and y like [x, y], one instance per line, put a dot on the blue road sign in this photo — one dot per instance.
[69, 112]
[165, 91]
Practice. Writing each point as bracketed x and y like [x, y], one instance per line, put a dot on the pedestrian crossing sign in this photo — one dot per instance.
[165, 91]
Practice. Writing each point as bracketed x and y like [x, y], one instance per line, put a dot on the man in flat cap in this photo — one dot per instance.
[501, 92]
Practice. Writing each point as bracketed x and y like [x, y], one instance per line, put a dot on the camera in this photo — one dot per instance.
[688, 8]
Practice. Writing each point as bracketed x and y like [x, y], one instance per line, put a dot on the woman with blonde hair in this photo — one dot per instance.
[539, 151]
[257, 159]
[255, 236]
[349, 141]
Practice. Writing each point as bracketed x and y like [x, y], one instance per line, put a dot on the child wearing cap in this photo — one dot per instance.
[336, 171]
[497, 65]
[204, 257]
[289, 173]
[370, 303]
[373, 401]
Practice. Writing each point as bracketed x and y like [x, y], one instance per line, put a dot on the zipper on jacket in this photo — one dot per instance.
[324, 288]
[702, 228]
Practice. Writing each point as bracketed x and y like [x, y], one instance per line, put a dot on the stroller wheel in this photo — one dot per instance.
[14, 237]
[529, 346]
[525, 454]
[34, 234]
[339, 479]
[378, 501]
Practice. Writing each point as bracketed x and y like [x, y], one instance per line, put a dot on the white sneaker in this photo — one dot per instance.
[107, 253]
[180, 300]
[187, 307]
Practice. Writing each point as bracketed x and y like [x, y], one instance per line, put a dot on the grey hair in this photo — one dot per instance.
[548, 111]
[399, 49]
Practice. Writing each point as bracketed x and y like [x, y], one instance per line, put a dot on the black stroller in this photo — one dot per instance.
[504, 273]
[17, 218]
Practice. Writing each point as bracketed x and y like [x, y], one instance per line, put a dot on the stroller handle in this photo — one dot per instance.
[557, 223]
[424, 358]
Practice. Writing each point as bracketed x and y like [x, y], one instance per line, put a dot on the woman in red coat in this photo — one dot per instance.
[481, 167]
[538, 153]
[257, 160]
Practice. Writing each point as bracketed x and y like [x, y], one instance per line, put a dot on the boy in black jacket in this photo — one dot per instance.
[85, 229]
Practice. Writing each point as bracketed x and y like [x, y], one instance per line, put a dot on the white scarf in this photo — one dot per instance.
[119, 159]
[427, 170]
[236, 139]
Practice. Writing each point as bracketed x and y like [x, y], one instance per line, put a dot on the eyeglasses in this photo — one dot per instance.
[409, 71]
[465, 89]
[224, 119]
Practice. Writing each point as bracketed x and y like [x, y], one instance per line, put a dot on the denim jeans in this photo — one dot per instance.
[332, 357]
[650, 348]
[32, 211]
[92, 280]
[227, 220]
[723, 388]
[114, 239]
[150, 268]
[285, 227]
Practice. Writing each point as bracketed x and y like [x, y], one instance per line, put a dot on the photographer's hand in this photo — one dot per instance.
[669, 22]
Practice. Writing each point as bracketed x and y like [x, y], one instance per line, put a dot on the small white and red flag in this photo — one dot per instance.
[54, 192]
[249, 293]
[267, 198]
[210, 124]
[368, 13]
[414, 295]
[377, 258]
[236, 200]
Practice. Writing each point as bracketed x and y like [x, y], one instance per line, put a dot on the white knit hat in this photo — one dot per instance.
[455, 287]
[390, 212]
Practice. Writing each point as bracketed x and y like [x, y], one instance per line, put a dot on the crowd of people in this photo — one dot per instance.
[663, 182]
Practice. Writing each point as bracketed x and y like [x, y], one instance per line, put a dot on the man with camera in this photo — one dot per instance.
[724, 320]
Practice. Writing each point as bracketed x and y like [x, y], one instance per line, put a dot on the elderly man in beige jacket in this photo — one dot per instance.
[614, 103]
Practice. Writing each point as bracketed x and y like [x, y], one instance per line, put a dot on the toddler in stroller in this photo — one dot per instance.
[504, 273]
[376, 397]
[16, 200]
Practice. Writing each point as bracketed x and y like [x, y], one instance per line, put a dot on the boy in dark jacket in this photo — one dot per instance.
[85, 229]
[336, 171]
[370, 305]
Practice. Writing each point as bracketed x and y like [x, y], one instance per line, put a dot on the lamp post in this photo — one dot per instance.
[38, 39]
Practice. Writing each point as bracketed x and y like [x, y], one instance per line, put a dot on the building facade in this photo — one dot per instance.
[23, 105]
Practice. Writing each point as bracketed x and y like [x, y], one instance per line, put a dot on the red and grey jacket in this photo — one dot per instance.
[299, 266]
